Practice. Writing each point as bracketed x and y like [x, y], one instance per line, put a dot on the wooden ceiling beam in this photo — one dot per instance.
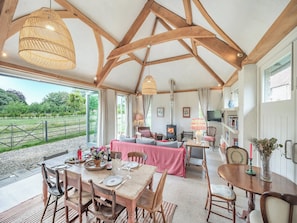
[179, 33]
[284, 24]
[7, 11]
[232, 79]
[225, 51]
[188, 11]
[215, 26]
[46, 75]
[147, 53]
[127, 38]
[199, 59]
[170, 59]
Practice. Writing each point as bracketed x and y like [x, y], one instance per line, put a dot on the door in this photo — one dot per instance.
[277, 109]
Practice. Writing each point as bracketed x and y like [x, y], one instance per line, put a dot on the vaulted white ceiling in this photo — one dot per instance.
[195, 43]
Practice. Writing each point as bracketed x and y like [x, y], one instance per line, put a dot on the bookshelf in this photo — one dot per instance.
[230, 132]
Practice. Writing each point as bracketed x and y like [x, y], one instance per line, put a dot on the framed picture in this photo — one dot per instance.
[186, 112]
[160, 112]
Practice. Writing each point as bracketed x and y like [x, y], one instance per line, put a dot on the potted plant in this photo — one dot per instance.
[265, 147]
[97, 154]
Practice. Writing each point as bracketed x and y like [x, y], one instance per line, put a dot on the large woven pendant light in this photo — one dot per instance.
[46, 42]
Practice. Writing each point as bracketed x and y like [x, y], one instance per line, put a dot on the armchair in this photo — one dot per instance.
[146, 132]
[210, 135]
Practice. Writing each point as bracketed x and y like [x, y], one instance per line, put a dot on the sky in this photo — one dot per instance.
[34, 91]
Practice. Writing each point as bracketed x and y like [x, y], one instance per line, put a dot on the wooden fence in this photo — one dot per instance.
[12, 135]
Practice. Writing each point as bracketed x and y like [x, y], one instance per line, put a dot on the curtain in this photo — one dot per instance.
[146, 102]
[203, 97]
[102, 119]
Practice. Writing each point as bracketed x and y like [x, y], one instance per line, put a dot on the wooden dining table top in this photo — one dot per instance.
[236, 175]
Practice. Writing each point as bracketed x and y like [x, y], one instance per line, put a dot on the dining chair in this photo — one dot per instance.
[76, 199]
[275, 208]
[236, 155]
[139, 157]
[218, 194]
[117, 155]
[52, 179]
[152, 201]
[105, 207]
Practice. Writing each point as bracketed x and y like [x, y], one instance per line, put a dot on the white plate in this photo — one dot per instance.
[131, 165]
[112, 180]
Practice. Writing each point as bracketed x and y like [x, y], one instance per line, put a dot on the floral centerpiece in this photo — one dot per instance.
[265, 147]
[98, 153]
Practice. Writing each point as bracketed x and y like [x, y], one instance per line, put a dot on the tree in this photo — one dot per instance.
[76, 102]
[19, 95]
[15, 108]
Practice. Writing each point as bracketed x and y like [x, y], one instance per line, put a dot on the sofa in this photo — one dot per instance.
[159, 154]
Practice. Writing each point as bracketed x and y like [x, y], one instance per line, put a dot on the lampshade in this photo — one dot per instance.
[149, 86]
[46, 42]
[198, 124]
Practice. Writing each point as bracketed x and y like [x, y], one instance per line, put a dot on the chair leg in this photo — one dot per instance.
[206, 201]
[66, 214]
[48, 200]
[163, 215]
[209, 208]
[55, 209]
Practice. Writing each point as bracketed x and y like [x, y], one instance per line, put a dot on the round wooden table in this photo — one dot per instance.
[235, 175]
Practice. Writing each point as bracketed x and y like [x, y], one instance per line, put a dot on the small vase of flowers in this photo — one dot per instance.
[265, 147]
[97, 154]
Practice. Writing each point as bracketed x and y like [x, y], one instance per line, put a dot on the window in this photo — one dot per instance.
[277, 80]
[122, 115]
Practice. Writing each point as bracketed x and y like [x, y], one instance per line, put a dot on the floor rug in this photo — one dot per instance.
[31, 210]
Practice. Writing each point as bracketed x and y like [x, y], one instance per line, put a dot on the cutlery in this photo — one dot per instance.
[124, 181]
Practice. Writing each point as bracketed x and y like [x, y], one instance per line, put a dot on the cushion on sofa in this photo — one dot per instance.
[125, 139]
[171, 144]
[147, 141]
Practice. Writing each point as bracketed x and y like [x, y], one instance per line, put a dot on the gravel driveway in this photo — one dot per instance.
[27, 158]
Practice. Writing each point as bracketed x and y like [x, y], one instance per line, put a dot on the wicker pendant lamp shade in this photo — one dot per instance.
[149, 86]
[46, 42]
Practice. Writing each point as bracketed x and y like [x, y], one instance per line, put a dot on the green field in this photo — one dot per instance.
[16, 133]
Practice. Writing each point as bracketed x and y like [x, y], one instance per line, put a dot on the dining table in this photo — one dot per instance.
[235, 174]
[134, 181]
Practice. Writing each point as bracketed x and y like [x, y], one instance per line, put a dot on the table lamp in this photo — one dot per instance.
[198, 124]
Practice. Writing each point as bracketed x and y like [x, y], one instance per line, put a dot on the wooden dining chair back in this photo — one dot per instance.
[52, 179]
[105, 207]
[76, 199]
[275, 208]
[217, 195]
[117, 155]
[139, 157]
[152, 201]
[236, 155]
